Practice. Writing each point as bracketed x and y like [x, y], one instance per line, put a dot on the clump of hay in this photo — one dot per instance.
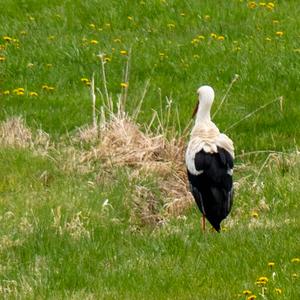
[14, 133]
[123, 143]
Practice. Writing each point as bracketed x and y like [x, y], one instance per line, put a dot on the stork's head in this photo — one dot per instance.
[206, 98]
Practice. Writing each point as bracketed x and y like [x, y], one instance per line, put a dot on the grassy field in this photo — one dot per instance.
[77, 223]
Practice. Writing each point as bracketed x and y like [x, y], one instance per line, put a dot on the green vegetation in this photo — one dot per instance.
[75, 224]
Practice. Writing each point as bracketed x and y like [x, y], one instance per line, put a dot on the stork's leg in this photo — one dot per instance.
[203, 223]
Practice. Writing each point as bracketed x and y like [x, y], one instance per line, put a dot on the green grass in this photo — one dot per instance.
[57, 238]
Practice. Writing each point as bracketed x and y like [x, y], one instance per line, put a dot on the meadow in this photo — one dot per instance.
[97, 206]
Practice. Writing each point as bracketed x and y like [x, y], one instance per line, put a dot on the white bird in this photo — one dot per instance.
[209, 160]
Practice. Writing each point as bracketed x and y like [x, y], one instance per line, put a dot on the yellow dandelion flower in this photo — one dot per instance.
[51, 88]
[48, 88]
[247, 292]
[31, 18]
[263, 280]
[270, 5]
[252, 297]
[207, 17]
[7, 92]
[201, 37]
[271, 264]
[7, 38]
[92, 26]
[107, 24]
[30, 65]
[49, 65]
[275, 21]
[2, 58]
[123, 52]
[278, 291]
[84, 39]
[84, 80]
[94, 42]
[268, 39]
[117, 40]
[23, 32]
[130, 18]
[262, 3]
[252, 4]
[213, 35]
[195, 41]
[254, 214]
[51, 37]
[19, 90]
[221, 38]
[161, 54]
[171, 25]
[279, 33]
[295, 260]
[45, 87]
[182, 14]
[20, 93]
[124, 84]
[295, 275]
[196, 56]
[33, 94]
[107, 59]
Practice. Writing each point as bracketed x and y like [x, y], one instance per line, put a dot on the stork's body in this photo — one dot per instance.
[209, 160]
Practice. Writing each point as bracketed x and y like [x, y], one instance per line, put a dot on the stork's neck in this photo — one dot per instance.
[203, 113]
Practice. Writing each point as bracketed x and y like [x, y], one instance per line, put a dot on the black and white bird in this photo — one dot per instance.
[209, 160]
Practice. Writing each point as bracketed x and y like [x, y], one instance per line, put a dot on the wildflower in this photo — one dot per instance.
[195, 41]
[30, 65]
[117, 40]
[262, 280]
[92, 26]
[262, 3]
[196, 56]
[7, 92]
[2, 58]
[130, 18]
[182, 14]
[278, 291]
[94, 42]
[247, 292]
[275, 21]
[279, 33]
[295, 275]
[252, 297]
[271, 264]
[207, 17]
[123, 52]
[270, 5]
[51, 37]
[124, 84]
[33, 94]
[252, 4]
[254, 214]
[85, 81]
[19, 91]
[221, 38]
[49, 65]
[23, 32]
[201, 37]
[171, 25]
[31, 18]
[47, 88]
[7, 38]
[213, 35]
[295, 260]
[107, 59]
[268, 39]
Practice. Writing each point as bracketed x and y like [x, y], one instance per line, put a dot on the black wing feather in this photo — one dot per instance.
[213, 189]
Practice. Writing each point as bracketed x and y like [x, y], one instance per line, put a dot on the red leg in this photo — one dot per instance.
[203, 223]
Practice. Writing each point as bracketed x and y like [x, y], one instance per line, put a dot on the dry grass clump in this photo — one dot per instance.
[123, 143]
[14, 133]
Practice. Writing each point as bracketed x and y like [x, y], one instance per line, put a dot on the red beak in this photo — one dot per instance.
[196, 109]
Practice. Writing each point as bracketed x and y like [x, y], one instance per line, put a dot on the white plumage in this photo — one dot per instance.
[209, 160]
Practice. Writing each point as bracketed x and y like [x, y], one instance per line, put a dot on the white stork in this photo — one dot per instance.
[209, 160]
